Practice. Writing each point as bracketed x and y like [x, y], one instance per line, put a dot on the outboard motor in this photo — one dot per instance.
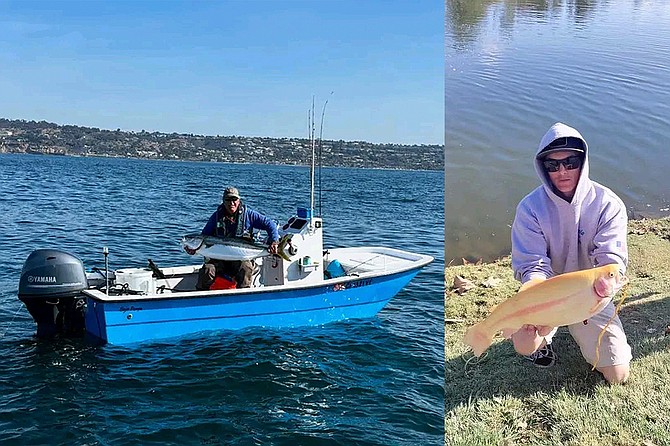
[50, 286]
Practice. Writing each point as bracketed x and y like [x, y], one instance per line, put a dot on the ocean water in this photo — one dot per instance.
[376, 381]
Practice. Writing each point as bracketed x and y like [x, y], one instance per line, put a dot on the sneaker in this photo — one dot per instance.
[543, 357]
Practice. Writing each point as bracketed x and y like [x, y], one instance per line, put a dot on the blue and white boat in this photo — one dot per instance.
[312, 286]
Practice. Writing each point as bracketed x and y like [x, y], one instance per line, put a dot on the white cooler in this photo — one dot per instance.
[138, 279]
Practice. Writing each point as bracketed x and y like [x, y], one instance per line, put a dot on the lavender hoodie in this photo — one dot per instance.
[552, 236]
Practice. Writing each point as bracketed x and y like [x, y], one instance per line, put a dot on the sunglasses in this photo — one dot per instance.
[231, 199]
[570, 163]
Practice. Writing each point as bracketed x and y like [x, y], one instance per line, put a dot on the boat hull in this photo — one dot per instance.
[147, 318]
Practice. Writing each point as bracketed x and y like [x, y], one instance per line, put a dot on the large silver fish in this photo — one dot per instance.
[226, 248]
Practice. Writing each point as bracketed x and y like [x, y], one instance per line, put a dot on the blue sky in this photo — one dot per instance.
[228, 67]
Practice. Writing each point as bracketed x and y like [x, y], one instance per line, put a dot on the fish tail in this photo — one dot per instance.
[285, 240]
[284, 256]
[478, 339]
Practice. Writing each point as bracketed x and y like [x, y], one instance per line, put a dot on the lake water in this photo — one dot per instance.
[375, 381]
[513, 68]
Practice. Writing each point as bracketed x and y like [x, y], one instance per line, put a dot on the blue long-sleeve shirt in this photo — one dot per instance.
[252, 220]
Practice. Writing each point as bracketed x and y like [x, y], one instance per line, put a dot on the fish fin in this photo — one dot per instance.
[477, 338]
[531, 283]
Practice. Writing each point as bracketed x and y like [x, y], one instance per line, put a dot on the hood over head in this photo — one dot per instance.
[561, 137]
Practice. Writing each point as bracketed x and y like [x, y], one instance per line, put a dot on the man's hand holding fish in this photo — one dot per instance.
[529, 338]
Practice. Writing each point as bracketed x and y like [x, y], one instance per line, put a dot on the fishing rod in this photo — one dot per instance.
[311, 172]
[364, 262]
[312, 139]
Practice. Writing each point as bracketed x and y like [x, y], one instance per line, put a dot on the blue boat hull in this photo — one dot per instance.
[146, 319]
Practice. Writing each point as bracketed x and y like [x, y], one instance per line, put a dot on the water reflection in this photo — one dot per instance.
[468, 20]
[513, 68]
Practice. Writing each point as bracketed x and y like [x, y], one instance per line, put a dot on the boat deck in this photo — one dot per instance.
[374, 260]
[357, 263]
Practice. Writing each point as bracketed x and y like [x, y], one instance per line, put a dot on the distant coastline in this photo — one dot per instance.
[41, 137]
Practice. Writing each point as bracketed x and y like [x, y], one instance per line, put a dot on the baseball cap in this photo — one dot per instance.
[231, 192]
[563, 143]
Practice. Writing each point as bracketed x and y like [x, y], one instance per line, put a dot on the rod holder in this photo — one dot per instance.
[105, 252]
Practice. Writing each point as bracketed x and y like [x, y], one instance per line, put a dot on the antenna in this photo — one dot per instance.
[323, 114]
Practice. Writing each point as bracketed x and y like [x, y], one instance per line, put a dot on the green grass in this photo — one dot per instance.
[501, 399]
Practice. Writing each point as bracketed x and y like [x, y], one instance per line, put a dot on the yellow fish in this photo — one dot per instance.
[560, 300]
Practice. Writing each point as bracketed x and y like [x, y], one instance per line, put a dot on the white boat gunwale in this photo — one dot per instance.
[410, 261]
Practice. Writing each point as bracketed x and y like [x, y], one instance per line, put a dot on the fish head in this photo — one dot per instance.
[609, 281]
[192, 241]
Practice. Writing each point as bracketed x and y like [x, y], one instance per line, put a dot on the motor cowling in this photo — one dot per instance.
[50, 286]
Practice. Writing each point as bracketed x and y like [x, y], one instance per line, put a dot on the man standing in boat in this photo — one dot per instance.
[571, 223]
[233, 219]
